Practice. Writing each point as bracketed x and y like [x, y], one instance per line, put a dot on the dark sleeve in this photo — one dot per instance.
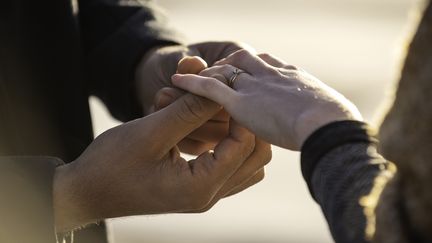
[339, 164]
[115, 35]
[26, 206]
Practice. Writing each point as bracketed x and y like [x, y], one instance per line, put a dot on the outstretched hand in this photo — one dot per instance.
[280, 103]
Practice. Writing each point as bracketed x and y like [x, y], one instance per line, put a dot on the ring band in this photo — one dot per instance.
[233, 78]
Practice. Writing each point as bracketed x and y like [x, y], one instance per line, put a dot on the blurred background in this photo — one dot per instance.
[355, 46]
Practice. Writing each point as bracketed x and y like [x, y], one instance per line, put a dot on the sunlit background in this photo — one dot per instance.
[353, 45]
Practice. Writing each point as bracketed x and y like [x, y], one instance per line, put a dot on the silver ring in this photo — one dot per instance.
[233, 78]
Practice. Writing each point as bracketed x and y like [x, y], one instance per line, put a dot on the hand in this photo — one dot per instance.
[153, 79]
[158, 65]
[210, 133]
[136, 168]
[280, 103]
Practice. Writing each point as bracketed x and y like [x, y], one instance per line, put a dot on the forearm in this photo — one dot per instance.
[340, 164]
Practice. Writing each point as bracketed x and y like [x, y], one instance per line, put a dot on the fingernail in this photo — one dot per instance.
[176, 77]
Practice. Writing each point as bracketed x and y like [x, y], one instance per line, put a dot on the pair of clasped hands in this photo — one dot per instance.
[136, 168]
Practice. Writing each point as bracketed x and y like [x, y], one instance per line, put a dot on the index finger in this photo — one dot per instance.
[191, 65]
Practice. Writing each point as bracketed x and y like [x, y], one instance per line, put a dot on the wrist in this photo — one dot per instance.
[69, 210]
[309, 122]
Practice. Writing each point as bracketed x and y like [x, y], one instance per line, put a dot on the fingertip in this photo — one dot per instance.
[176, 77]
[177, 80]
[191, 64]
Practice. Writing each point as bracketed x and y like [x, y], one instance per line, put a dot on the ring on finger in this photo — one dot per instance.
[234, 77]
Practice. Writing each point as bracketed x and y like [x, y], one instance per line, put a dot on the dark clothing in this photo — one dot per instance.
[340, 163]
[51, 61]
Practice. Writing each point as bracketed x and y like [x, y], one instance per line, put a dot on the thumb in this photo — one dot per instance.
[165, 97]
[194, 65]
[180, 118]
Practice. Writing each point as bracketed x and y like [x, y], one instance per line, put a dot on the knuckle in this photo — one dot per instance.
[111, 132]
[263, 153]
[207, 72]
[292, 67]
[219, 77]
[199, 202]
[117, 135]
[272, 71]
[208, 85]
[268, 155]
[248, 145]
[260, 176]
[204, 209]
[232, 46]
[237, 57]
[197, 196]
[241, 54]
[265, 55]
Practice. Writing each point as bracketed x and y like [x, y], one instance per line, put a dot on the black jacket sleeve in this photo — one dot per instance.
[340, 163]
[26, 206]
[115, 35]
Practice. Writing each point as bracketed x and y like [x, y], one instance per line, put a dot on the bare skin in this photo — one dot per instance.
[153, 75]
[210, 133]
[136, 168]
[278, 102]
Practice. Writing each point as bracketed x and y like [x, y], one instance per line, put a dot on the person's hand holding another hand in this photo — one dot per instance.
[280, 103]
[153, 76]
[210, 133]
[136, 168]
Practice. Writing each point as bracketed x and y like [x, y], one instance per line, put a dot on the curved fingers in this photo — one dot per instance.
[259, 176]
[194, 147]
[252, 169]
[229, 155]
[250, 173]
